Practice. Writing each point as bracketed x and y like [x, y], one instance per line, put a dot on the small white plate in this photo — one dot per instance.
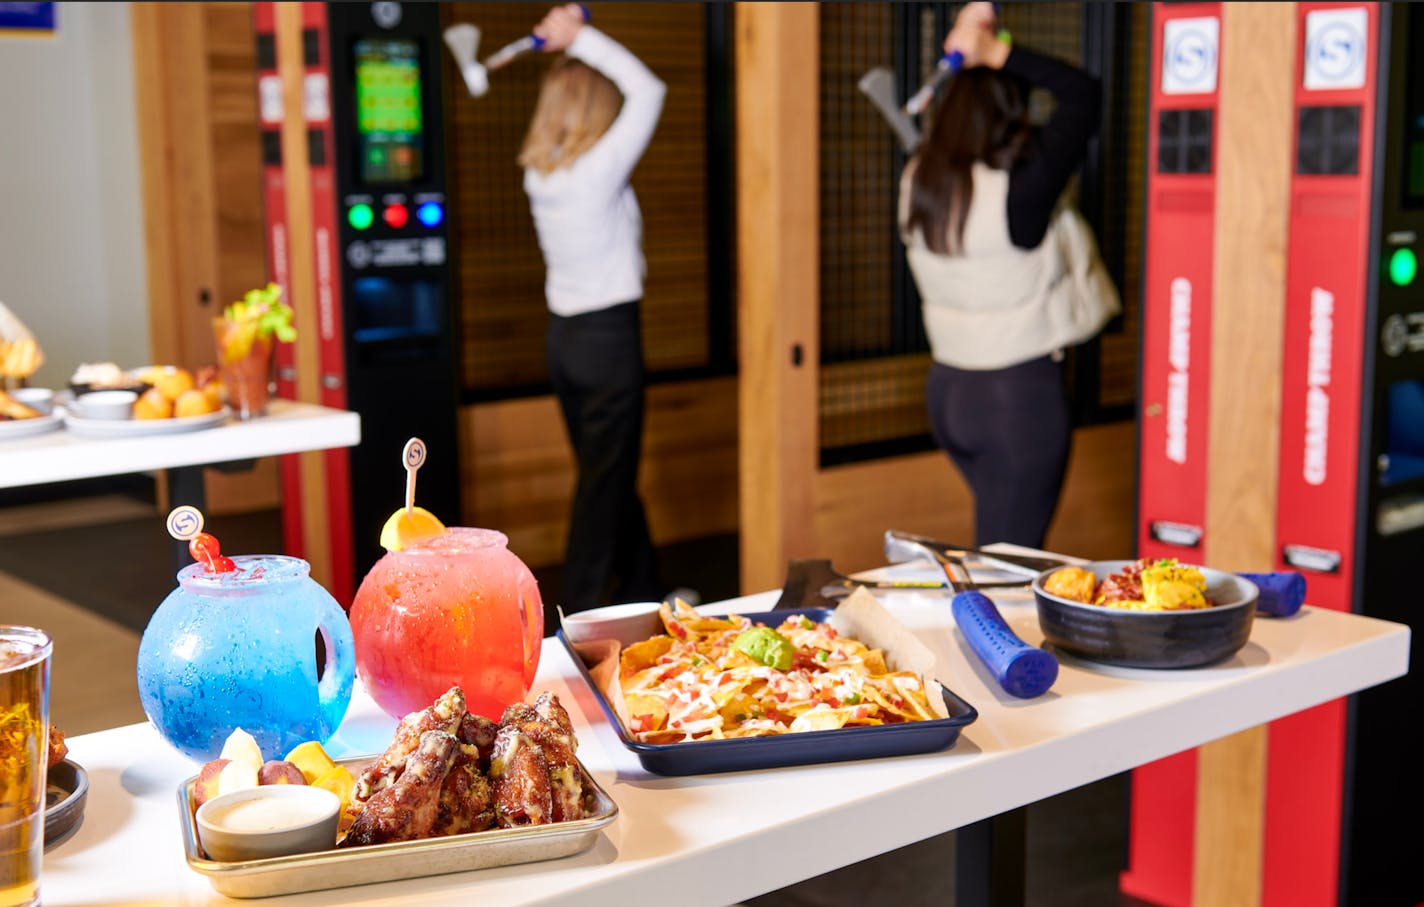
[138, 428]
[23, 428]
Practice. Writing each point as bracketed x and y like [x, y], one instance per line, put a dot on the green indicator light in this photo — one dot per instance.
[360, 216]
[1402, 267]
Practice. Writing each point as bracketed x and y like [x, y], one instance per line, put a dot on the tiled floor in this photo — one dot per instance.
[91, 569]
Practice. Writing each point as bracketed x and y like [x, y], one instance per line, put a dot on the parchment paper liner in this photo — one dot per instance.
[600, 638]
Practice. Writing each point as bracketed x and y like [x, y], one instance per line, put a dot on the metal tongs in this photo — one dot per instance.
[906, 546]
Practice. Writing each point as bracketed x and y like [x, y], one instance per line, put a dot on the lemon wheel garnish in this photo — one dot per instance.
[406, 527]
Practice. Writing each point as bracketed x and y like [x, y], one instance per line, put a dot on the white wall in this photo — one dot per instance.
[71, 222]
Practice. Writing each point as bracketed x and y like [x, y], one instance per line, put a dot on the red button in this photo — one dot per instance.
[395, 216]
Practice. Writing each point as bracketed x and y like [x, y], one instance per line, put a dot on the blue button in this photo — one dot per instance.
[430, 214]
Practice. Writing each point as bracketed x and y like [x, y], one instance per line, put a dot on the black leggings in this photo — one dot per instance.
[1008, 431]
[596, 365]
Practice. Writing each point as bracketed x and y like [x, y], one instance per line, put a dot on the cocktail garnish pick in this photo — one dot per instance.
[410, 523]
[185, 523]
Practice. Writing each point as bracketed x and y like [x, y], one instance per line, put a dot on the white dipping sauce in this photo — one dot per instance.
[266, 814]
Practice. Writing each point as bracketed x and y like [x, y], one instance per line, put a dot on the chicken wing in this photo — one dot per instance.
[520, 776]
[479, 732]
[565, 781]
[545, 720]
[445, 714]
[408, 807]
[466, 798]
[548, 707]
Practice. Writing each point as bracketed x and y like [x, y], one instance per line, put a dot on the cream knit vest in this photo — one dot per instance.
[995, 305]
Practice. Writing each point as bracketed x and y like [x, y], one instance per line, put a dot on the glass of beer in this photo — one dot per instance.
[24, 759]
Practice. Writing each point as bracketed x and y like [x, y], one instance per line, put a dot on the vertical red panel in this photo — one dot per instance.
[270, 112]
[1176, 391]
[1321, 398]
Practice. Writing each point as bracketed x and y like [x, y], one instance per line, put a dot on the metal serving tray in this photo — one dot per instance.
[399, 860]
[700, 757]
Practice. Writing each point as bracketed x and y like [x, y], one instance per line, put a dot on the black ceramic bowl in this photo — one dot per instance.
[1150, 639]
[66, 789]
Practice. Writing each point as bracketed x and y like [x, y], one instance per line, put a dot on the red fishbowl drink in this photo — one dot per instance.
[457, 608]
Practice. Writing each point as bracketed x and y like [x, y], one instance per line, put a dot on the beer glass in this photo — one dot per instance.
[24, 760]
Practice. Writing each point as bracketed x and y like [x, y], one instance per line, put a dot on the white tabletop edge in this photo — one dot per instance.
[834, 815]
[289, 427]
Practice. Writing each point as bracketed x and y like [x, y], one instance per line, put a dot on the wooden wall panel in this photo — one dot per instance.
[924, 493]
[519, 474]
[1248, 312]
[196, 95]
[778, 287]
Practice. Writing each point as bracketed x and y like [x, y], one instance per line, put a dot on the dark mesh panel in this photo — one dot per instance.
[874, 355]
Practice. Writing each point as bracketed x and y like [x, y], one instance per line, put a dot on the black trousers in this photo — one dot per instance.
[596, 365]
[1008, 430]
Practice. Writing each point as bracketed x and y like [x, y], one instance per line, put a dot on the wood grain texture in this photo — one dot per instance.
[776, 52]
[195, 93]
[519, 476]
[924, 493]
[152, 110]
[301, 291]
[1254, 142]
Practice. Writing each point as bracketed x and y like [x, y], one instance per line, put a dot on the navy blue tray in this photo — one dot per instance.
[702, 757]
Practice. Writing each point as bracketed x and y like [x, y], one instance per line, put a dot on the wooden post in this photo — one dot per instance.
[301, 289]
[778, 234]
[1253, 158]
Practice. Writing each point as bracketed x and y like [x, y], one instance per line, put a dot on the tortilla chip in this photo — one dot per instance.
[652, 708]
[643, 655]
[875, 661]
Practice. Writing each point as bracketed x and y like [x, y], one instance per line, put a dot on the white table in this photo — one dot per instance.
[715, 839]
[288, 427]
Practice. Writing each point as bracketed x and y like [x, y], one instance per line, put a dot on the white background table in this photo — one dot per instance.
[716, 839]
[288, 427]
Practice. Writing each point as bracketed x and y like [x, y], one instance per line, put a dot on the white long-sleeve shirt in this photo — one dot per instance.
[587, 217]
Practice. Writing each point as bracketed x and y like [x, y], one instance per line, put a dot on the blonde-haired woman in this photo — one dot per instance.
[597, 111]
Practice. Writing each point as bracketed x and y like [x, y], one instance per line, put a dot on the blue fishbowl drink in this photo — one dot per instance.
[240, 647]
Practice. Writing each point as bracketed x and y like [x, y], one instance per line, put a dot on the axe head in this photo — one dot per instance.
[806, 582]
[879, 86]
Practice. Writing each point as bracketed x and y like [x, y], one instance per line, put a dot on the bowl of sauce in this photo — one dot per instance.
[270, 820]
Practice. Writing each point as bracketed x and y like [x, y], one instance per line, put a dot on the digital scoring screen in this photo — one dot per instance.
[1414, 115]
[389, 132]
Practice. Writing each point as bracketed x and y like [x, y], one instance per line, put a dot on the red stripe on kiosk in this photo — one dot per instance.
[1176, 387]
[384, 335]
[317, 113]
[1321, 399]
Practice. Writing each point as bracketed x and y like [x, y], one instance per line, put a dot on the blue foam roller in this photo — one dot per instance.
[1282, 593]
[1020, 669]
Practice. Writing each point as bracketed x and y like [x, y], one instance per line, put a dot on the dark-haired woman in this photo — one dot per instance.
[977, 205]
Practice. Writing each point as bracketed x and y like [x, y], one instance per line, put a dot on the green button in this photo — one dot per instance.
[360, 216]
[1402, 267]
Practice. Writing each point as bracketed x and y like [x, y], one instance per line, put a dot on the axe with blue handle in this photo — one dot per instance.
[1019, 668]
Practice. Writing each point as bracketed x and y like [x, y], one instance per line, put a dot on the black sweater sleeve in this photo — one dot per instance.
[1056, 149]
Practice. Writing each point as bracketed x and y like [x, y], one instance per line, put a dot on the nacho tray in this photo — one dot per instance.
[399, 860]
[702, 757]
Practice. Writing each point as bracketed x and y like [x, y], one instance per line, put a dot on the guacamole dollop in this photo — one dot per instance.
[765, 645]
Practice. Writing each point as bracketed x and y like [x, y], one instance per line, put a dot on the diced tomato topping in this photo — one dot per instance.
[678, 630]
